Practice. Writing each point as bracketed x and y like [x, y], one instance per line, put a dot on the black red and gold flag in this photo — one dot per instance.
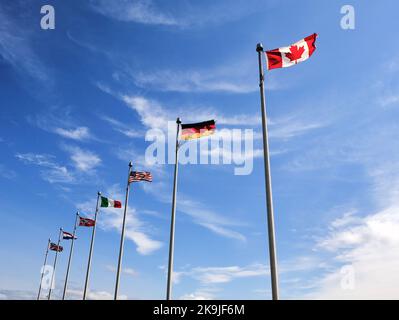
[197, 130]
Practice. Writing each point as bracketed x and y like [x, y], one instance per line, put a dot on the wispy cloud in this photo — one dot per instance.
[183, 15]
[155, 115]
[127, 271]
[61, 122]
[293, 126]
[6, 172]
[370, 246]
[52, 172]
[200, 215]
[219, 80]
[200, 294]
[79, 133]
[83, 160]
[140, 11]
[123, 128]
[16, 49]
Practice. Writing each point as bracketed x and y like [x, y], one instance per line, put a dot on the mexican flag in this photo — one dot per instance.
[106, 202]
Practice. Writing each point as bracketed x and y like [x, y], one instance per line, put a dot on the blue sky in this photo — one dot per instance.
[77, 101]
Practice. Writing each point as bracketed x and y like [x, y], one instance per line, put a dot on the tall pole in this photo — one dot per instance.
[91, 248]
[118, 271]
[70, 256]
[42, 271]
[172, 223]
[268, 181]
[55, 265]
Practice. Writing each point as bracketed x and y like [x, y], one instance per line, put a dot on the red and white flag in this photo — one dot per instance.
[86, 222]
[289, 56]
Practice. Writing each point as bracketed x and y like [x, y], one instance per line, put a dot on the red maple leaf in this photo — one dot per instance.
[296, 53]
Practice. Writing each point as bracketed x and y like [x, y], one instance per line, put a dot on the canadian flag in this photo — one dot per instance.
[289, 56]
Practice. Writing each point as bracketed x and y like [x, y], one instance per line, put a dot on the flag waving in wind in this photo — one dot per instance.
[136, 176]
[68, 236]
[106, 202]
[289, 56]
[197, 130]
[54, 247]
[86, 222]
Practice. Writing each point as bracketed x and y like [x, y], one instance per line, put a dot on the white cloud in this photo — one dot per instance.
[151, 113]
[128, 271]
[123, 128]
[75, 294]
[53, 173]
[6, 172]
[219, 275]
[292, 126]
[15, 47]
[156, 116]
[389, 100]
[17, 295]
[79, 133]
[182, 15]
[139, 11]
[201, 294]
[371, 247]
[83, 160]
[197, 81]
[60, 121]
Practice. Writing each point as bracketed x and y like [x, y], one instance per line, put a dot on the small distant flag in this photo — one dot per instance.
[86, 222]
[197, 130]
[289, 56]
[136, 176]
[106, 203]
[55, 247]
[68, 236]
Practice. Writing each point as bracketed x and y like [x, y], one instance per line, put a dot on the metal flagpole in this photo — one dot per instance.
[172, 223]
[42, 271]
[70, 257]
[55, 265]
[91, 248]
[122, 234]
[268, 182]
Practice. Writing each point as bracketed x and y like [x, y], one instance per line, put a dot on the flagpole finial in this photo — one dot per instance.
[259, 47]
[99, 193]
[178, 121]
[130, 164]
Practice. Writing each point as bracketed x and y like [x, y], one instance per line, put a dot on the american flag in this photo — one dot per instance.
[140, 176]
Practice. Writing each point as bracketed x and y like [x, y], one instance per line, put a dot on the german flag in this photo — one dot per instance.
[197, 130]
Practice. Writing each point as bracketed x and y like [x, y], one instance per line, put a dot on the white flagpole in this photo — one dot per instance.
[42, 271]
[91, 248]
[268, 182]
[172, 224]
[54, 266]
[122, 234]
[70, 257]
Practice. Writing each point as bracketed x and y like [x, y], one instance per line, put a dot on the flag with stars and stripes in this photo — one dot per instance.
[136, 176]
